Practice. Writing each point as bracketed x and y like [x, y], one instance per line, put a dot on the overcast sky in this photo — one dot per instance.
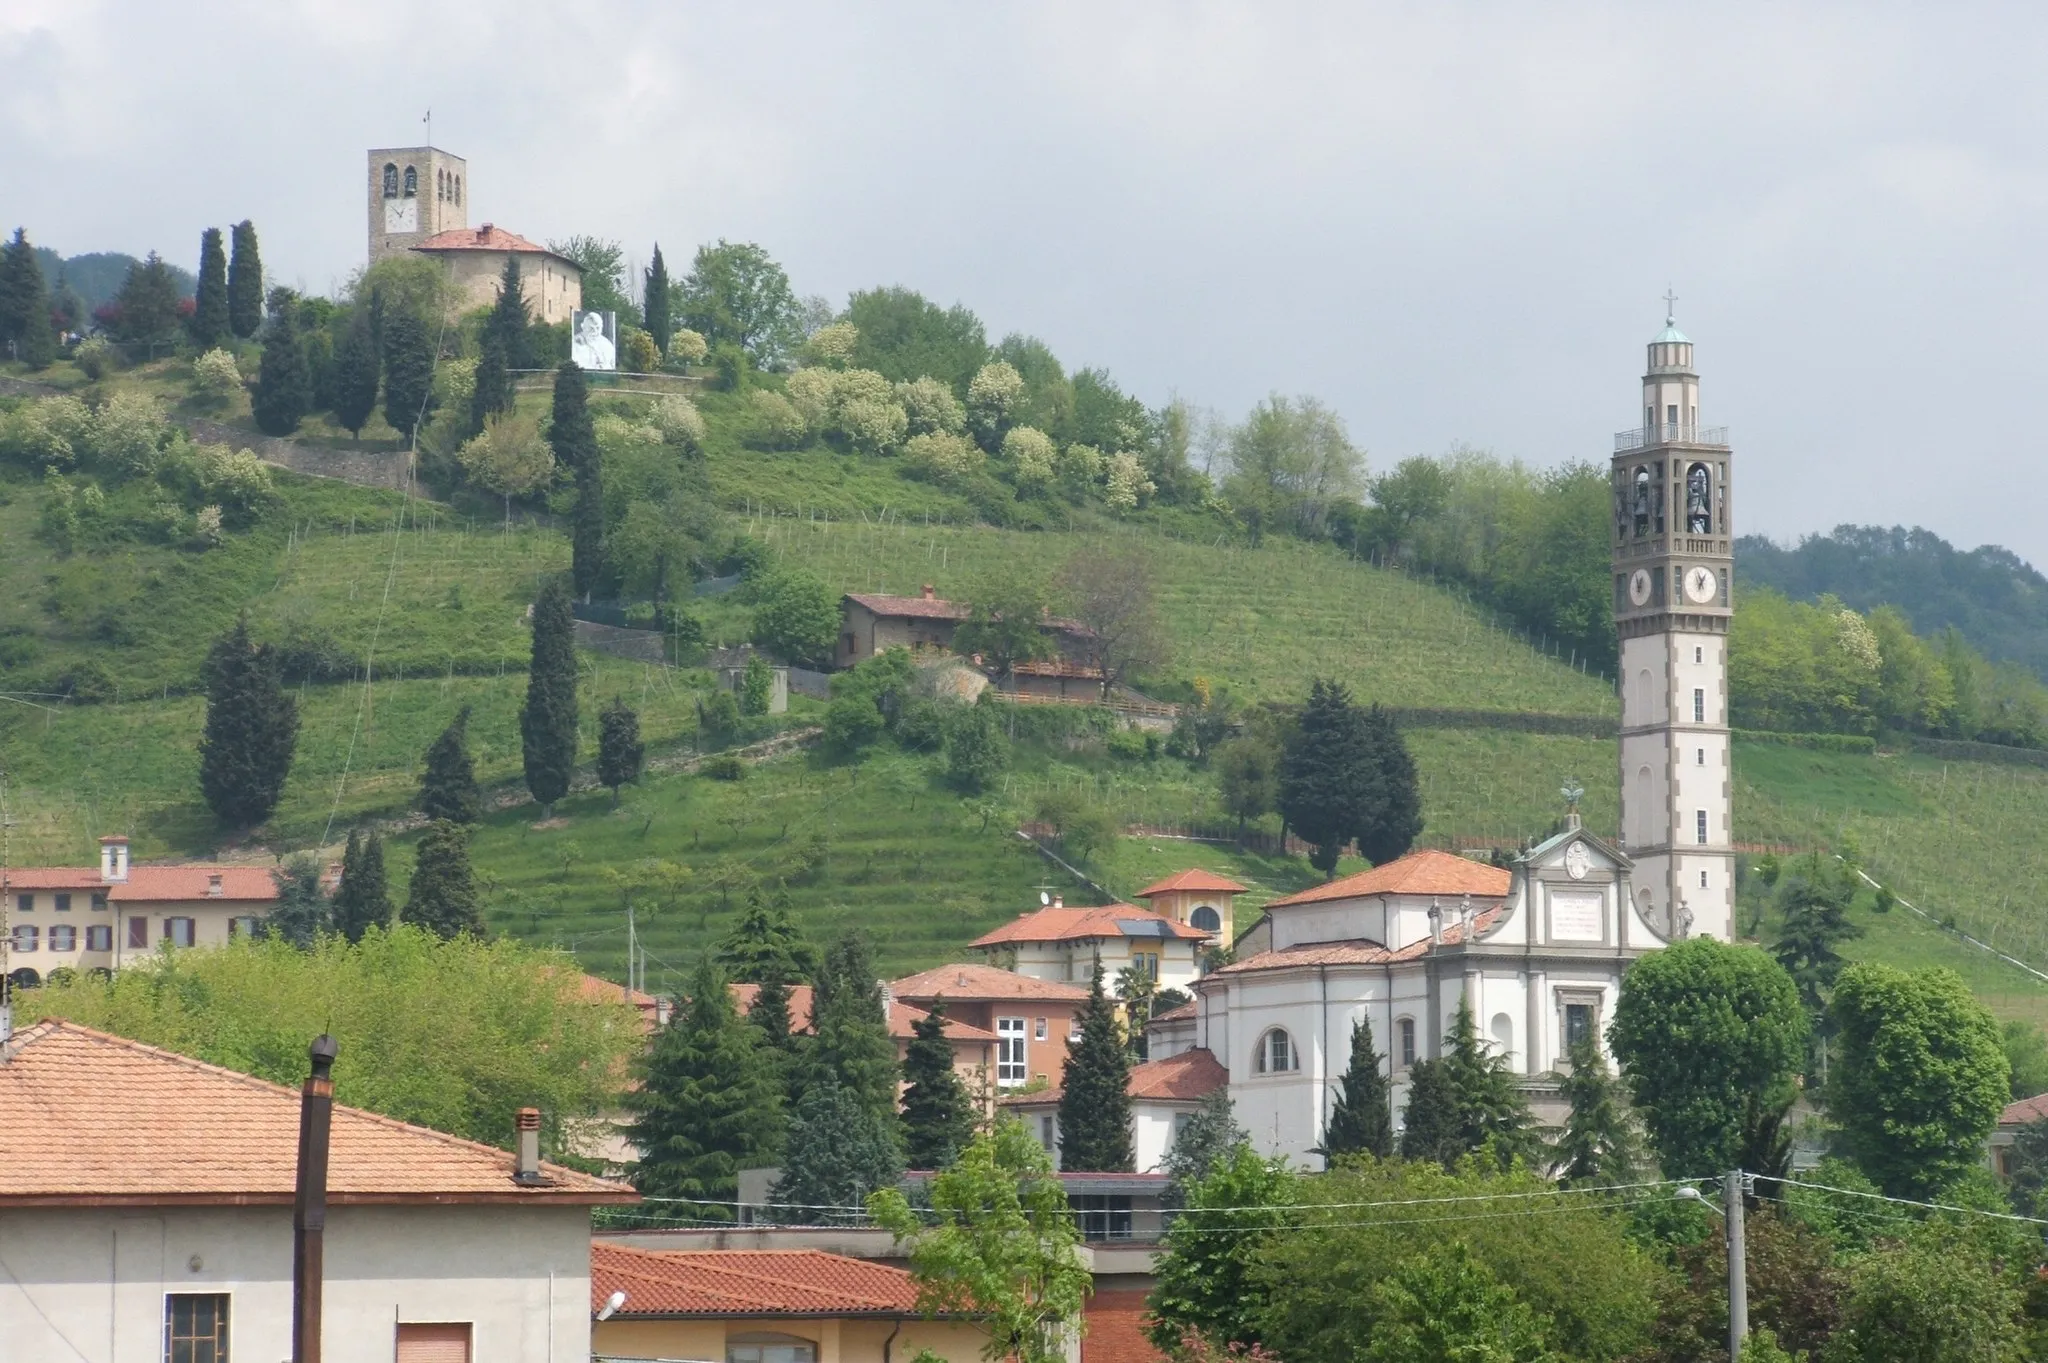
[1455, 223]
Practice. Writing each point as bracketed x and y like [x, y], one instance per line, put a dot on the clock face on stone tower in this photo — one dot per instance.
[1639, 587]
[401, 215]
[1700, 585]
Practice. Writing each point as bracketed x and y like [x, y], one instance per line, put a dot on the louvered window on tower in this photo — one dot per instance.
[1701, 826]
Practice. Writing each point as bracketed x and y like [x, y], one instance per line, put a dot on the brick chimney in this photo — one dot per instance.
[214, 888]
[114, 859]
[931, 593]
[526, 1159]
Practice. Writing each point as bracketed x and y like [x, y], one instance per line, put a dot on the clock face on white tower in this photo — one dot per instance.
[1639, 587]
[1700, 584]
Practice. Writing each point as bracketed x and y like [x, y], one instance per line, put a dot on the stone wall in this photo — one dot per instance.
[366, 468]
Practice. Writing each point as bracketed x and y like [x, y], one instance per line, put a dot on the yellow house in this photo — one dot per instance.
[763, 1306]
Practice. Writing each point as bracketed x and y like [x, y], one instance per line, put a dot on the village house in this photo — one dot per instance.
[475, 258]
[1066, 944]
[1032, 1019]
[974, 1048]
[59, 917]
[146, 1213]
[871, 623]
[1164, 1095]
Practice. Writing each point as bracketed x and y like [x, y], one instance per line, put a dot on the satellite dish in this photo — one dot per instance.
[1044, 899]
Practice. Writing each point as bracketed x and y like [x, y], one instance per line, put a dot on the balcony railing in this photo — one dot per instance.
[1669, 434]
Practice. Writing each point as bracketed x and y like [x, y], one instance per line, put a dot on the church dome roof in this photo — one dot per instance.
[1670, 333]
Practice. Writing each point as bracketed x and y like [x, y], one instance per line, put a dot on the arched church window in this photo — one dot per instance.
[390, 181]
[441, 186]
[1642, 499]
[1645, 814]
[458, 189]
[1206, 918]
[1276, 1054]
[1699, 501]
[412, 183]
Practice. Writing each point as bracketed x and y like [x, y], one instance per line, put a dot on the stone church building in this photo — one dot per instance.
[1536, 949]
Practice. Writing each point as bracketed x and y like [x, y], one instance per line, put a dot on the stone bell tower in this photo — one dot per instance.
[1673, 584]
[414, 192]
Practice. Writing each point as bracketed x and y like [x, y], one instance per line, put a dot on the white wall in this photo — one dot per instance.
[89, 1284]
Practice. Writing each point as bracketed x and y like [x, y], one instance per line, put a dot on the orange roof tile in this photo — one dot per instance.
[1195, 879]
[51, 878]
[92, 1119]
[152, 884]
[732, 1282]
[911, 607]
[1063, 924]
[902, 1016]
[974, 982]
[1116, 1329]
[1176, 1014]
[1424, 872]
[488, 237]
[2024, 1111]
[1185, 1078]
[1358, 952]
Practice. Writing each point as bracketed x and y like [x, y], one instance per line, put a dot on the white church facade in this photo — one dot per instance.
[1537, 948]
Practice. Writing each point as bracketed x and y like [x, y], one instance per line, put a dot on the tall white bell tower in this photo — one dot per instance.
[1673, 582]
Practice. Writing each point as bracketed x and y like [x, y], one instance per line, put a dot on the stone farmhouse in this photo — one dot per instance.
[871, 623]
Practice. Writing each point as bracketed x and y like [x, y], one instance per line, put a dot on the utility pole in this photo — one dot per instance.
[1738, 1266]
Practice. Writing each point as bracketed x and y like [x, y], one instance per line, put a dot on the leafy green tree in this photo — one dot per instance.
[850, 1044]
[796, 618]
[1346, 776]
[1599, 1143]
[1444, 1306]
[837, 1152]
[765, 945]
[24, 304]
[252, 730]
[363, 899]
[757, 687]
[502, 348]
[1813, 901]
[408, 373]
[1921, 1079]
[621, 756]
[1208, 1284]
[245, 283]
[735, 294]
[1465, 1101]
[904, 336]
[547, 724]
[443, 897]
[210, 307]
[657, 301]
[1006, 625]
[938, 1115]
[707, 1108]
[1203, 1143]
[448, 786]
[1796, 1285]
[976, 751]
[1095, 1098]
[355, 375]
[284, 388]
[1710, 1038]
[1362, 1120]
[1928, 1302]
[441, 1033]
[300, 914]
[1292, 464]
[999, 1246]
[146, 308]
[1248, 773]
[2026, 1052]
[603, 262]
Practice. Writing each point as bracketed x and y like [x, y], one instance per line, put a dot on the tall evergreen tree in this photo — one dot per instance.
[1600, 1143]
[938, 1115]
[355, 375]
[1205, 1142]
[837, 1151]
[502, 349]
[708, 1108]
[1329, 775]
[621, 756]
[1095, 1098]
[25, 304]
[147, 305]
[656, 302]
[443, 896]
[573, 438]
[448, 786]
[245, 282]
[210, 306]
[284, 387]
[586, 532]
[300, 914]
[252, 729]
[547, 726]
[1362, 1121]
[1814, 898]
[850, 1042]
[1465, 1100]
[766, 945]
[769, 1015]
[571, 433]
[1394, 818]
[363, 899]
[408, 372]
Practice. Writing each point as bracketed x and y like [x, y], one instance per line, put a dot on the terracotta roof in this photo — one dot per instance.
[1359, 952]
[1425, 872]
[1063, 924]
[152, 884]
[732, 1282]
[599, 990]
[911, 607]
[92, 1119]
[1116, 1329]
[1195, 879]
[1185, 1078]
[51, 878]
[902, 1016]
[2024, 1111]
[1057, 667]
[1184, 1011]
[488, 237]
[974, 982]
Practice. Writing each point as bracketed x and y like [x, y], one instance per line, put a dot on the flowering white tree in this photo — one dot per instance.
[832, 345]
[780, 421]
[1126, 482]
[992, 395]
[810, 392]
[685, 348]
[1031, 454]
[509, 457]
[872, 427]
[128, 433]
[215, 374]
[680, 422]
[944, 456]
[931, 406]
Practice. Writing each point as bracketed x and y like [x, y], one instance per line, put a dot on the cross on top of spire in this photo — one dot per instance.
[1670, 306]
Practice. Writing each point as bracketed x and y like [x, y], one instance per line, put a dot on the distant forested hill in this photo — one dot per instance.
[1992, 595]
[96, 276]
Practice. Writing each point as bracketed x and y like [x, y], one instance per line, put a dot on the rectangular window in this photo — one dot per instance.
[99, 901]
[25, 935]
[138, 934]
[1407, 1041]
[1700, 826]
[1699, 655]
[99, 937]
[1038, 1029]
[1103, 1216]
[1703, 880]
[179, 931]
[441, 1343]
[196, 1327]
[1009, 1052]
[1578, 1023]
[1699, 706]
[24, 903]
[244, 926]
[1671, 413]
[63, 903]
[1048, 1130]
[780, 1351]
[63, 937]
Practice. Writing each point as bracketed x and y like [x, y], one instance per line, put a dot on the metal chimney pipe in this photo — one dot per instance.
[309, 1203]
[526, 1165]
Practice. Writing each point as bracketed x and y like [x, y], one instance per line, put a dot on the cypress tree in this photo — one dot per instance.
[1465, 1101]
[836, 1153]
[586, 535]
[655, 305]
[408, 372]
[766, 946]
[1201, 1146]
[300, 914]
[363, 899]
[938, 1115]
[621, 756]
[252, 727]
[284, 388]
[448, 788]
[708, 1108]
[850, 1043]
[502, 350]
[148, 302]
[1362, 1122]
[210, 307]
[571, 433]
[355, 375]
[1599, 1143]
[25, 304]
[245, 282]
[547, 726]
[443, 895]
[1393, 818]
[1325, 773]
[1095, 1098]
[769, 1015]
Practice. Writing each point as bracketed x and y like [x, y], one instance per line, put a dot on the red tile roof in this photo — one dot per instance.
[1116, 1329]
[732, 1282]
[1063, 924]
[976, 982]
[911, 607]
[902, 1016]
[1194, 879]
[2024, 1111]
[1425, 872]
[51, 878]
[91, 1119]
[1185, 1078]
[1358, 952]
[153, 884]
[598, 990]
[489, 237]
[1185, 1010]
